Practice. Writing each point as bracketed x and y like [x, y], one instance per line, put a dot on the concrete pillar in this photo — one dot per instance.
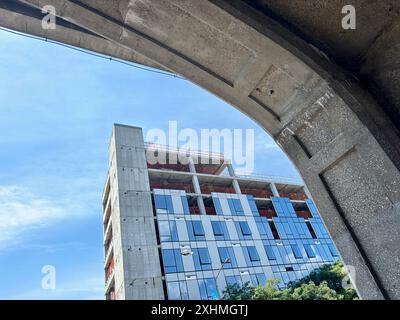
[137, 263]
[235, 183]
[196, 186]
[274, 189]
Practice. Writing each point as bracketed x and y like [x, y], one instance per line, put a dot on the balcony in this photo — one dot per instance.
[109, 253]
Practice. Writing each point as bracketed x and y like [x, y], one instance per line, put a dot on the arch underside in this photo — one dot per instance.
[345, 147]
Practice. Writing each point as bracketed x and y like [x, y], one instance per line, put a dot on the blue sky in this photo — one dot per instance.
[56, 113]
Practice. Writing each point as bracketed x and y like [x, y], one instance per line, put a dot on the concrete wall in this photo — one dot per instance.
[137, 264]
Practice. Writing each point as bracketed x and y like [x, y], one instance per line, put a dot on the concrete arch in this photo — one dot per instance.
[345, 147]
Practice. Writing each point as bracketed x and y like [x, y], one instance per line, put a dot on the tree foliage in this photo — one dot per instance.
[324, 283]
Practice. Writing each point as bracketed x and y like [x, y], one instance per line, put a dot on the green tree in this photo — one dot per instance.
[269, 292]
[333, 274]
[324, 283]
[238, 292]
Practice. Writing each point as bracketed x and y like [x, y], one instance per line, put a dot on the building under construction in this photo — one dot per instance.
[184, 229]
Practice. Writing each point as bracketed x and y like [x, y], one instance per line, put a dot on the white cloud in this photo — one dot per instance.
[22, 211]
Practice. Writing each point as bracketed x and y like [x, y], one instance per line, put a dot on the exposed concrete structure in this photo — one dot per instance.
[342, 141]
[130, 236]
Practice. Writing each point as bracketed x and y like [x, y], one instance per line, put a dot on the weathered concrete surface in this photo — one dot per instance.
[344, 145]
[137, 276]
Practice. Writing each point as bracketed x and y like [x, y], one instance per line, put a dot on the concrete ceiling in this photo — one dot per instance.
[319, 22]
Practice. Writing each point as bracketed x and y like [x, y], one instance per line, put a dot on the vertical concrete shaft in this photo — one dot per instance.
[274, 189]
[138, 269]
[196, 186]
[235, 183]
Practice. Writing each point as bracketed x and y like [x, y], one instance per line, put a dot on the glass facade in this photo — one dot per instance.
[202, 254]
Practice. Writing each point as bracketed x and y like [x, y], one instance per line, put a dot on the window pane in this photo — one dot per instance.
[174, 231]
[261, 279]
[223, 254]
[204, 256]
[185, 205]
[217, 228]
[198, 228]
[178, 260]
[333, 251]
[170, 207]
[203, 290]
[165, 234]
[169, 260]
[232, 207]
[296, 251]
[270, 253]
[174, 292]
[231, 280]
[244, 227]
[309, 250]
[217, 205]
[253, 205]
[253, 254]
[159, 201]
[211, 287]
[238, 207]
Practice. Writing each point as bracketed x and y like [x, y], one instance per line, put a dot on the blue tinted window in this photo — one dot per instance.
[195, 230]
[185, 205]
[177, 290]
[231, 280]
[253, 206]
[204, 256]
[243, 230]
[296, 251]
[220, 230]
[309, 250]
[170, 207]
[264, 228]
[227, 257]
[201, 259]
[270, 253]
[244, 227]
[217, 205]
[172, 260]
[235, 207]
[232, 207]
[217, 228]
[208, 289]
[333, 251]
[259, 279]
[238, 207]
[164, 202]
[174, 292]
[160, 202]
[167, 230]
[198, 228]
[253, 254]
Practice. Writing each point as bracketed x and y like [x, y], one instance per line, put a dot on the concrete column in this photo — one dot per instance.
[235, 183]
[274, 189]
[196, 186]
[137, 262]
